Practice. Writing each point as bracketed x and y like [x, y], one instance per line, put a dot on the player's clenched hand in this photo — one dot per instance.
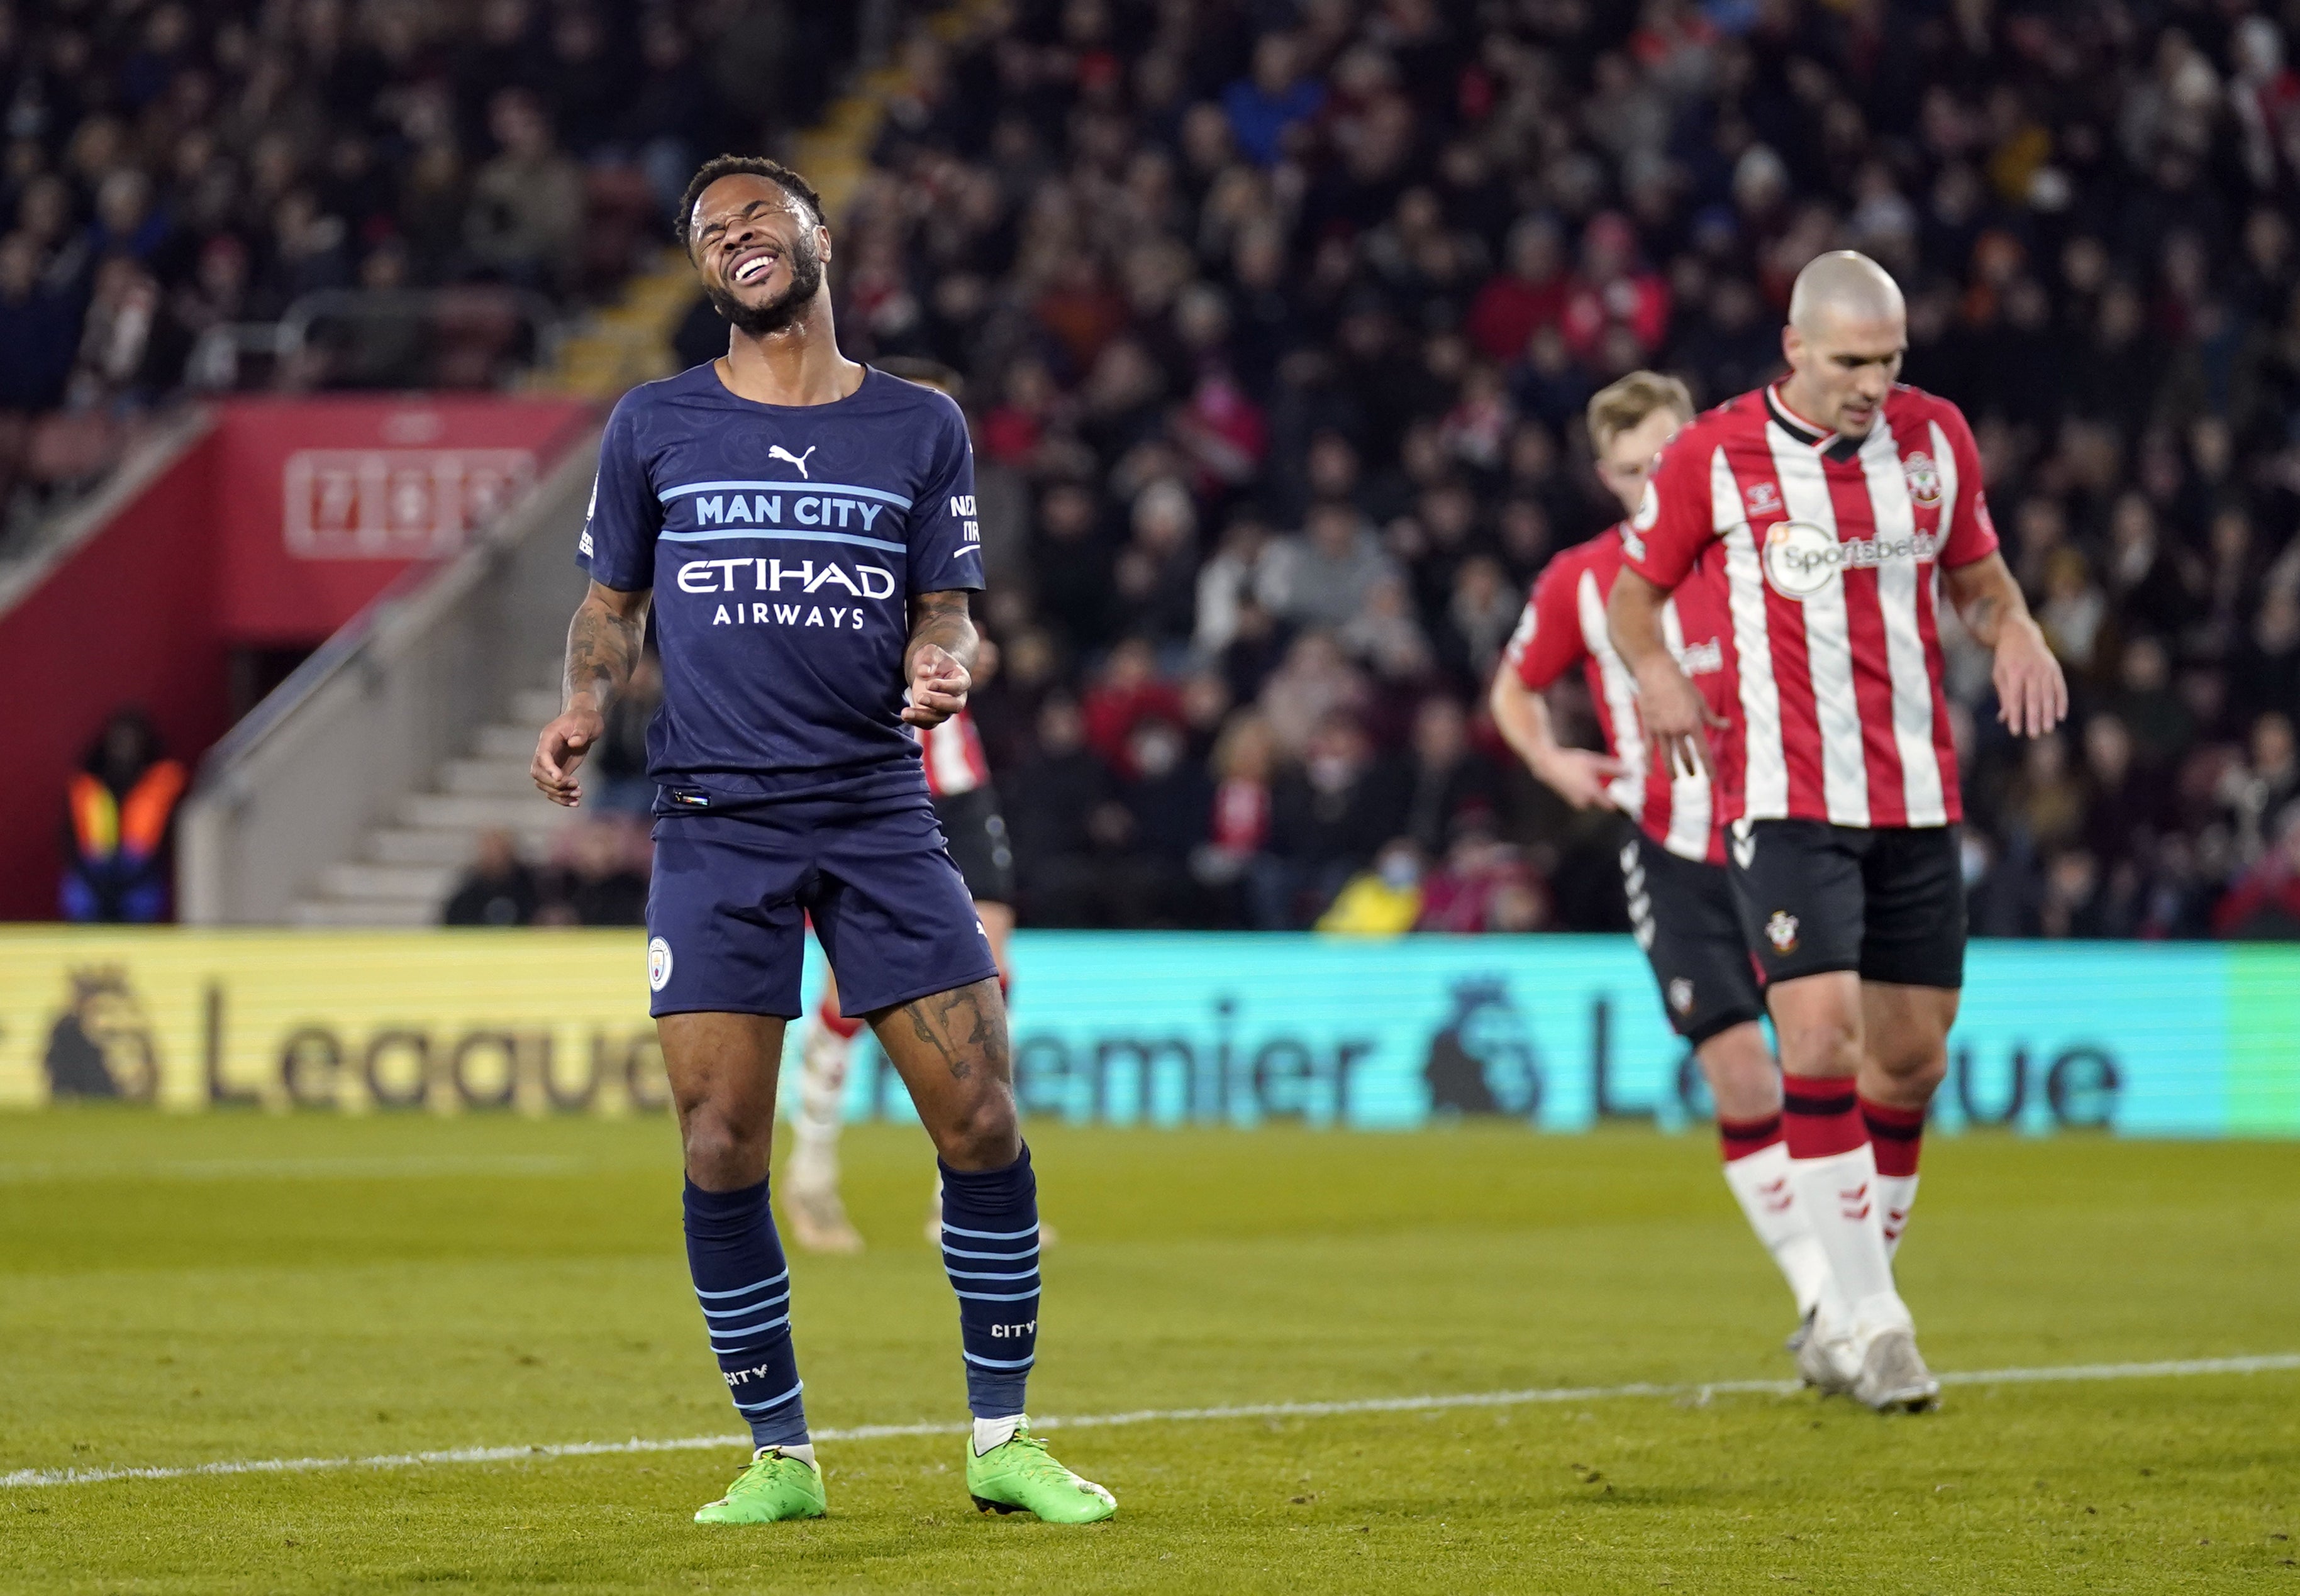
[1677, 720]
[939, 685]
[560, 748]
[2032, 695]
[1579, 775]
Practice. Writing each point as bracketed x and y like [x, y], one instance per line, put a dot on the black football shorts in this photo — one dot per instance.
[976, 833]
[1886, 903]
[1681, 912]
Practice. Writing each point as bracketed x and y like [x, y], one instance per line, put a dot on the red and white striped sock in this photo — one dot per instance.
[1835, 1176]
[1757, 1172]
[1896, 1136]
[823, 1058]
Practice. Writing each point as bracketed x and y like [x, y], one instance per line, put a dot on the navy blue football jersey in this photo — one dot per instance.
[783, 544]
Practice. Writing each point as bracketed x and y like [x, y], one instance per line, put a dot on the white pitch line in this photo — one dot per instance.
[415, 1166]
[2172, 1369]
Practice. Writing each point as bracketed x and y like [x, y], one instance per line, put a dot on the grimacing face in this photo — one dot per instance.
[1626, 463]
[758, 251]
[1842, 368]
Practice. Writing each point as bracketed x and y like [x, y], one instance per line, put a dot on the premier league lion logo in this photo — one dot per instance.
[101, 1045]
[1481, 1060]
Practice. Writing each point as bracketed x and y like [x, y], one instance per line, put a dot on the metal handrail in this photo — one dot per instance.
[412, 593]
[397, 688]
[214, 361]
[295, 322]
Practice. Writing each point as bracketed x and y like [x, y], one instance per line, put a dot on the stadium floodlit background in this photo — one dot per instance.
[1274, 320]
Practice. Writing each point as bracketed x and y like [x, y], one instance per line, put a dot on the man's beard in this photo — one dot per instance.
[785, 307]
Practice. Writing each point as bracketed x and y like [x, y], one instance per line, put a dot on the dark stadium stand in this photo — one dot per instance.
[1275, 317]
[327, 193]
[1276, 321]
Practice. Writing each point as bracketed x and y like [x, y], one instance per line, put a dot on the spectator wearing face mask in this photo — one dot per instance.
[1329, 816]
[1384, 901]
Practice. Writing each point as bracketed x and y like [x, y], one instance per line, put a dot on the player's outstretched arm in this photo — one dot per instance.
[1577, 774]
[602, 648]
[939, 662]
[2032, 695]
[1677, 718]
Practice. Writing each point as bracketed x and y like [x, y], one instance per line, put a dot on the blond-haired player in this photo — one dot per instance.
[1673, 858]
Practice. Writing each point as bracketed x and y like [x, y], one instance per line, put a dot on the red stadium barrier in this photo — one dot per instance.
[269, 528]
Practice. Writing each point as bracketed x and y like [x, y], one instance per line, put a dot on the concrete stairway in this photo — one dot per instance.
[408, 867]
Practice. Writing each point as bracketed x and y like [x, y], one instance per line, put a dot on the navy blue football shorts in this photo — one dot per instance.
[729, 906]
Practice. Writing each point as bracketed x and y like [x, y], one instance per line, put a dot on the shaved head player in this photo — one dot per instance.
[1844, 504]
[808, 526]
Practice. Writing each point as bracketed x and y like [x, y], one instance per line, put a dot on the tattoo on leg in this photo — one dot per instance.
[955, 1025]
[926, 1033]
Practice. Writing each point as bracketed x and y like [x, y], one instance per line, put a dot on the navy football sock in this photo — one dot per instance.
[743, 1285]
[991, 1247]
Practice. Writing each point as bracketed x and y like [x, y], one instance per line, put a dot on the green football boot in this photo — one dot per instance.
[1017, 1476]
[773, 1486]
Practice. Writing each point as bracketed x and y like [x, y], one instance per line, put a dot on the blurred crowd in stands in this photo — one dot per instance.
[1276, 321]
[1275, 318]
[175, 168]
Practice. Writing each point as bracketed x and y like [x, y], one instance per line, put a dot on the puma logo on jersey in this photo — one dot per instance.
[777, 452]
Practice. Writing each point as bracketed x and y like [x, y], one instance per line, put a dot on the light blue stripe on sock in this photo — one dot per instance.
[737, 1313]
[741, 1290]
[772, 1402]
[1017, 1275]
[991, 1235]
[992, 1297]
[733, 1331]
[1000, 1256]
[997, 1362]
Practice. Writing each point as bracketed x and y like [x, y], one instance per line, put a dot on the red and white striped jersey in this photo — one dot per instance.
[952, 754]
[1832, 553]
[1564, 622]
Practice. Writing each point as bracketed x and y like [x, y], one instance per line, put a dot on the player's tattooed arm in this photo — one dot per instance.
[603, 645]
[939, 662]
[602, 648]
[2032, 695]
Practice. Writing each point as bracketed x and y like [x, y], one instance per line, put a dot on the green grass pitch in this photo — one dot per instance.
[228, 1288]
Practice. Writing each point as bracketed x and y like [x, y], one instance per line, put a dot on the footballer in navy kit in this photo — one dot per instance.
[802, 529]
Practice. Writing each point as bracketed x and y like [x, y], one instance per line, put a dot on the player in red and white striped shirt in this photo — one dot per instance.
[1843, 505]
[958, 780]
[1674, 859]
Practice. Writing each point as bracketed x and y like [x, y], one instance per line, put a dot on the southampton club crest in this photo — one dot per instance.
[1781, 931]
[1924, 478]
[1762, 498]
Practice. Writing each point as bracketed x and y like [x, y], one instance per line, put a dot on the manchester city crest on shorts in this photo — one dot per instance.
[1680, 994]
[1924, 477]
[658, 964]
[1781, 931]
